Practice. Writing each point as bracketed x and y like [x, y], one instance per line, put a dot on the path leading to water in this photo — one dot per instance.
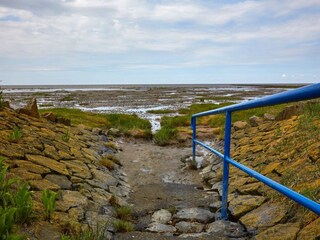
[160, 180]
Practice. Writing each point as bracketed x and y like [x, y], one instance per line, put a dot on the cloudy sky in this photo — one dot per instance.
[159, 41]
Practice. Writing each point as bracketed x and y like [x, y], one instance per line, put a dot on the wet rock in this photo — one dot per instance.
[226, 228]
[311, 231]
[287, 231]
[239, 125]
[194, 214]
[162, 216]
[48, 231]
[264, 216]
[255, 121]
[49, 163]
[71, 199]
[160, 228]
[187, 227]
[289, 112]
[242, 204]
[60, 180]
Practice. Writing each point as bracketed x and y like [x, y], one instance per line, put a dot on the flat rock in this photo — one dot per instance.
[102, 179]
[71, 199]
[267, 215]
[311, 231]
[242, 204]
[238, 125]
[194, 214]
[49, 163]
[161, 216]
[160, 228]
[226, 228]
[43, 184]
[287, 231]
[189, 227]
[31, 167]
[78, 168]
[24, 174]
[60, 180]
[46, 230]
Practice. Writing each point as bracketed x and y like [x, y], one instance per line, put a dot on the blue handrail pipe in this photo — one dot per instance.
[299, 94]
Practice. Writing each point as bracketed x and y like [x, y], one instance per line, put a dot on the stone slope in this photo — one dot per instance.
[287, 151]
[64, 159]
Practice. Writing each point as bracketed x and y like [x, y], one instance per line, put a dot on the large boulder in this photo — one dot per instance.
[289, 112]
[31, 109]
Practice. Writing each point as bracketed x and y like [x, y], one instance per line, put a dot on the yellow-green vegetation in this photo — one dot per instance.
[111, 145]
[66, 137]
[15, 203]
[124, 212]
[172, 127]
[123, 226]
[165, 135]
[161, 111]
[113, 158]
[108, 164]
[15, 134]
[127, 124]
[49, 202]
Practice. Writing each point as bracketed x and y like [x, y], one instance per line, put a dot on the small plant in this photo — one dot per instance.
[123, 226]
[124, 213]
[1, 100]
[7, 217]
[22, 200]
[65, 237]
[111, 145]
[89, 234]
[172, 210]
[108, 164]
[113, 158]
[15, 134]
[114, 202]
[165, 135]
[65, 137]
[49, 202]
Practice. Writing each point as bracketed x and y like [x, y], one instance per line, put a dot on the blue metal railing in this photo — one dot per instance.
[303, 93]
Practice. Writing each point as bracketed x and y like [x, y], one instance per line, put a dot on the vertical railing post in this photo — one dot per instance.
[225, 181]
[194, 136]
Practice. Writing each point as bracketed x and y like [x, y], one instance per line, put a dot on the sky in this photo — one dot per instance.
[159, 41]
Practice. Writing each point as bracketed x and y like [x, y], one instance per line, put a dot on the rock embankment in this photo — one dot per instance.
[286, 150]
[67, 160]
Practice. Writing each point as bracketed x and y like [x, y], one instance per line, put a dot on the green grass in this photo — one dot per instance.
[123, 213]
[65, 137]
[161, 111]
[164, 136]
[49, 202]
[124, 122]
[15, 203]
[123, 226]
[15, 135]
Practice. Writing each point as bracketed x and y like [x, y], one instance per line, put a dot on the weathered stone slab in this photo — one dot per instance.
[264, 216]
[48, 231]
[60, 180]
[226, 228]
[24, 174]
[161, 228]
[187, 227]
[161, 216]
[311, 231]
[71, 199]
[43, 184]
[194, 214]
[242, 204]
[31, 167]
[49, 163]
[287, 231]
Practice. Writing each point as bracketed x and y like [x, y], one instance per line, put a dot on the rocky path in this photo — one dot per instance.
[168, 198]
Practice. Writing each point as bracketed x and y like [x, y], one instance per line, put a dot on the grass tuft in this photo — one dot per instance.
[123, 226]
[108, 164]
[124, 212]
[15, 135]
[164, 136]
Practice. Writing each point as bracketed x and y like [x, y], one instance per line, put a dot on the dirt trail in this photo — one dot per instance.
[159, 180]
